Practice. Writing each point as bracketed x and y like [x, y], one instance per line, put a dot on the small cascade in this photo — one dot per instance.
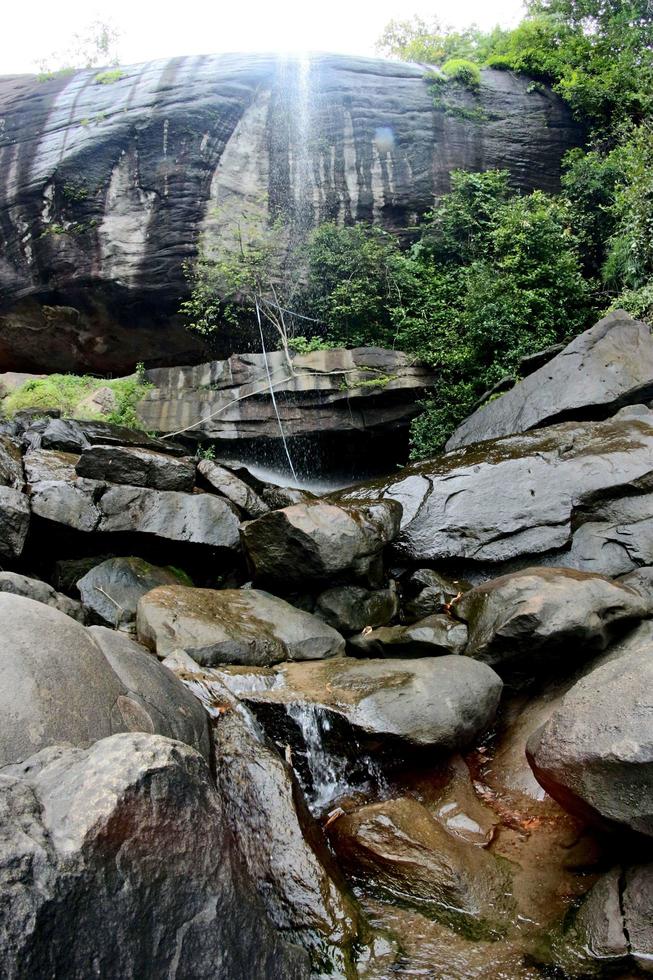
[332, 776]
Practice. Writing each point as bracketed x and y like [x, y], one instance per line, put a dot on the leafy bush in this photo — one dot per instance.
[463, 71]
[500, 62]
[65, 392]
[109, 77]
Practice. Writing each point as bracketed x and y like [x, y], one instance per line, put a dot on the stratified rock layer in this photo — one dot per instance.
[107, 187]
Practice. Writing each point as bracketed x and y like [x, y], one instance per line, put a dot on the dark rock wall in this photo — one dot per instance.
[105, 188]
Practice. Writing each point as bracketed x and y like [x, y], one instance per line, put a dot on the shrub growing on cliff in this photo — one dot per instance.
[65, 392]
[463, 71]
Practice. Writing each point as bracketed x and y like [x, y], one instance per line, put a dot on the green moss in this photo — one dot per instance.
[109, 77]
[66, 391]
[463, 71]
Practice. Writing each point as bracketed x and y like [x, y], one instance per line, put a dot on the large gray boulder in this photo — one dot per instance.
[437, 702]
[14, 522]
[232, 626]
[576, 494]
[605, 368]
[351, 608]
[537, 618]
[595, 753]
[117, 861]
[111, 216]
[137, 467]
[320, 542]
[11, 463]
[225, 483]
[59, 685]
[398, 848]
[111, 589]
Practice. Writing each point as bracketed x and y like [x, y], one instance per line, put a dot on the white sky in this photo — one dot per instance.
[33, 29]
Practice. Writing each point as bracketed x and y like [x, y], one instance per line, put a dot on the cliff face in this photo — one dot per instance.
[106, 187]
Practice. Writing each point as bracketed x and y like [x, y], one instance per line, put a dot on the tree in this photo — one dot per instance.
[95, 46]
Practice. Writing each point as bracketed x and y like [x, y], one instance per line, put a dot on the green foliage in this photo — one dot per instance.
[205, 452]
[95, 45]
[463, 71]
[109, 77]
[307, 345]
[637, 302]
[629, 262]
[431, 43]
[500, 62]
[75, 192]
[65, 392]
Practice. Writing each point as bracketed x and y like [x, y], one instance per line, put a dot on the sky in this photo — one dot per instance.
[32, 30]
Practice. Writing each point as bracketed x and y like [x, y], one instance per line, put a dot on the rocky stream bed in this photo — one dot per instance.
[404, 729]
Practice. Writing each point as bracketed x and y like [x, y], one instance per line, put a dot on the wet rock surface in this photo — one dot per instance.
[541, 616]
[228, 485]
[401, 851]
[241, 626]
[575, 494]
[439, 702]
[81, 870]
[351, 608]
[425, 592]
[605, 368]
[320, 542]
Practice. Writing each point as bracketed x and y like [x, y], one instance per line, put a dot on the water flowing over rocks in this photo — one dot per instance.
[108, 187]
[605, 368]
[437, 702]
[85, 889]
[232, 626]
[401, 850]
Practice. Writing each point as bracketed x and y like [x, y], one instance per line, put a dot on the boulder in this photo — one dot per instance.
[14, 522]
[282, 845]
[397, 848]
[531, 497]
[112, 588]
[277, 497]
[595, 753]
[605, 368]
[441, 703]
[137, 467]
[33, 588]
[117, 861]
[232, 626]
[11, 464]
[613, 927]
[429, 637]
[59, 686]
[425, 592]
[350, 608]
[227, 484]
[320, 542]
[536, 618]
[459, 810]
[58, 494]
[75, 435]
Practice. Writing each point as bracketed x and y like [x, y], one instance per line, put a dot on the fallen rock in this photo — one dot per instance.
[613, 927]
[320, 542]
[425, 592]
[137, 467]
[228, 485]
[275, 498]
[531, 497]
[350, 608]
[605, 368]
[398, 849]
[112, 588]
[11, 464]
[81, 870]
[32, 588]
[429, 637]
[14, 522]
[595, 754]
[439, 702]
[540, 616]
[102, 401]
[74, 435]
[58, 686]
[232, 626]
